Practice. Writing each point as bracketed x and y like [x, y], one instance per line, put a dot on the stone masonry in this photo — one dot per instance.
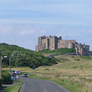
[54, 42]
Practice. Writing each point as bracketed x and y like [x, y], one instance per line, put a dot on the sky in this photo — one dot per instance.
[23, 21]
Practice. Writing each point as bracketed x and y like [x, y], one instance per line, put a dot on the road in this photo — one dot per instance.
[34, 85]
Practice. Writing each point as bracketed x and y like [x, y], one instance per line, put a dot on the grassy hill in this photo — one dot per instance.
[61, 51]
[23, 57]
[72, 72]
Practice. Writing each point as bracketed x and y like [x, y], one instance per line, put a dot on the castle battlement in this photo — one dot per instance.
[54, 42]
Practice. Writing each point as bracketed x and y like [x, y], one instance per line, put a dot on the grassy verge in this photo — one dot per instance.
[58, 51]
[68, 84]
[72, 72]
[71, 86]
[14, 88]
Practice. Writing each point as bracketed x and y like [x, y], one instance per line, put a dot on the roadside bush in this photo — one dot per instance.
[32, 60]
[6, 77]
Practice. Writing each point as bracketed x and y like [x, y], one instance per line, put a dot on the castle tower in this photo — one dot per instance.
[54, 42]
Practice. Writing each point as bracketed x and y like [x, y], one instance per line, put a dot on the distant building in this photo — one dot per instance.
[54, 42]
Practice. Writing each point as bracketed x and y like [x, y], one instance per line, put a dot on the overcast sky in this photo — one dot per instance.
[22, 21]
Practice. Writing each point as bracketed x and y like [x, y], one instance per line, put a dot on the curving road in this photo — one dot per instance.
[34, 85]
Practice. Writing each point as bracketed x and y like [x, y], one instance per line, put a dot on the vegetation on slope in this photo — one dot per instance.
[23, 57]
[14, 88]
[58, 51]
[72, 72]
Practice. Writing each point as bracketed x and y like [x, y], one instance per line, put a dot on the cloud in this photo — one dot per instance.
[4, 29]
[27, 34]
[67, 12]
[46, 21]
[30, 31]
[22, 21]
[20, 29]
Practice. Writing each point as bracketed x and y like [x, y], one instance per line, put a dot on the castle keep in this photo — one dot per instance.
[54, 42]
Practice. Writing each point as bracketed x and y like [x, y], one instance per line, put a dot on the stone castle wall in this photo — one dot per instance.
[54, 42]
[66, 44]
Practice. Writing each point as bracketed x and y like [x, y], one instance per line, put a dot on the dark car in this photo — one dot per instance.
[12, 71]
[25, 75]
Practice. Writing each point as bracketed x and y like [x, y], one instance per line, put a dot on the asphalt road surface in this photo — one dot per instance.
[34, 85]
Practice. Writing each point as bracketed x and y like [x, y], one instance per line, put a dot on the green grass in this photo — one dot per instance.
[14, 88]
[72, 72]
[68, 84]
[86, 57]
[58, 51]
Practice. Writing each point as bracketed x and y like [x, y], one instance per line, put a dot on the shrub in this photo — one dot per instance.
[6, 77]
[23, 57]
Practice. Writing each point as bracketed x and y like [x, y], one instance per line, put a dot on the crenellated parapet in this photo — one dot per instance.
[54, 42]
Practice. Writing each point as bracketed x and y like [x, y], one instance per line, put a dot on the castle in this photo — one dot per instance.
[54, 42]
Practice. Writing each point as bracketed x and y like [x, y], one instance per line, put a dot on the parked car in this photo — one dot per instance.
[12, 71]
[17, 72]
[25, 75]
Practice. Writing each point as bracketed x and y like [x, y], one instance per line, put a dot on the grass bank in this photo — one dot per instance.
[68, 84]
[14, 88]
[57, 51]
[72, 72]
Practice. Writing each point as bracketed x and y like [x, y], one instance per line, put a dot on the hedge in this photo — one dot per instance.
[6, 77]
